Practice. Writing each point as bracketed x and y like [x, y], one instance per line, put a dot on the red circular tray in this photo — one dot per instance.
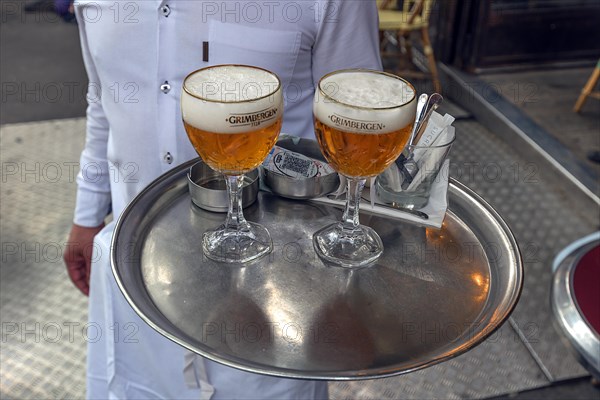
[586, 287]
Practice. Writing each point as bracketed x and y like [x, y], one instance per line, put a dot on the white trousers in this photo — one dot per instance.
[129, 360]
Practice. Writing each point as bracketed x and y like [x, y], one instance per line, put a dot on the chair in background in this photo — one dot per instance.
[397, 25]
[588, 89]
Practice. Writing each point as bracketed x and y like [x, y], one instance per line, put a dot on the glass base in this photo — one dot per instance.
[413, 199]
[355, 248]
[232, 246]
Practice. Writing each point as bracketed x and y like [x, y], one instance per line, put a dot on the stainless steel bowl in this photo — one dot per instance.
[209, 190]
[301, 188]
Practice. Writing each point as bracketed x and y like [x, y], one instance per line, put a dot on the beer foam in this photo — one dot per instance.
[231, 99]
[365, 102]
[231, 83]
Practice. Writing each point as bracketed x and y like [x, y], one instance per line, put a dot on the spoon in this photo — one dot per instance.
[405, 162]
[395, 206]
[432, 104]
[420, 114]
[421, 110]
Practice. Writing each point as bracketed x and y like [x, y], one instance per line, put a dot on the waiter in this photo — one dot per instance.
[136, 55]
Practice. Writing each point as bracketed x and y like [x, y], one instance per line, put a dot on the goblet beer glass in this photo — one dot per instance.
[232, 115]
[363, 120]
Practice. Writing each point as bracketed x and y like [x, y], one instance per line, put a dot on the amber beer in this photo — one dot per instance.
[363, 120]
[235, 153]
[232, 115]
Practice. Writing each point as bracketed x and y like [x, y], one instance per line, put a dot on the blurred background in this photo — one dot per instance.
[512, 72]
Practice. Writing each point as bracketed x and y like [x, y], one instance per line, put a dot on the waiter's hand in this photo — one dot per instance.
[78, 255]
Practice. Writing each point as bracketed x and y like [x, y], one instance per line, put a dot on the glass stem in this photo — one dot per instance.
[235, 215]
[353, 190]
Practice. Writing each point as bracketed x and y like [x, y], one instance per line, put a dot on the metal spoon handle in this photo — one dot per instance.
[425, 107]
[421, 103]
[432, 104]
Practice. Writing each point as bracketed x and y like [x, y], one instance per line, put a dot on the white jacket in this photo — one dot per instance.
[137, 55]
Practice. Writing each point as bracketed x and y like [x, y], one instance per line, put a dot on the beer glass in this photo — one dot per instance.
[232, 115]
[363, 120]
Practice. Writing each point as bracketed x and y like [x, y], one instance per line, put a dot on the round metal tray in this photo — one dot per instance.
[581, 337]
[433, 295]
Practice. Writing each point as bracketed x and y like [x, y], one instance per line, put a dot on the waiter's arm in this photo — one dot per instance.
[93, 180]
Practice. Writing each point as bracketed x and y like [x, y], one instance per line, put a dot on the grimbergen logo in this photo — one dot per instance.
[356, 124]
[252, 119]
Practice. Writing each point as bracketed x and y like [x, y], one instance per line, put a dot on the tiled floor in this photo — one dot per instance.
[43, 316]
[548, 98]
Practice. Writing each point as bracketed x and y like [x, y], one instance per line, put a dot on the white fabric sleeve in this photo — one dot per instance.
[93, 180]
[348, 37]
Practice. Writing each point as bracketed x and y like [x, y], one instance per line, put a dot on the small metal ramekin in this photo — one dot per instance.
[209, 191]
[301, 188]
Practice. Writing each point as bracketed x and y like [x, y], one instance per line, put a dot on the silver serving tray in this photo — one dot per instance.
[433, 295]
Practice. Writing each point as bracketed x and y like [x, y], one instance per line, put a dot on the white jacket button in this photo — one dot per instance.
[165, 87]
